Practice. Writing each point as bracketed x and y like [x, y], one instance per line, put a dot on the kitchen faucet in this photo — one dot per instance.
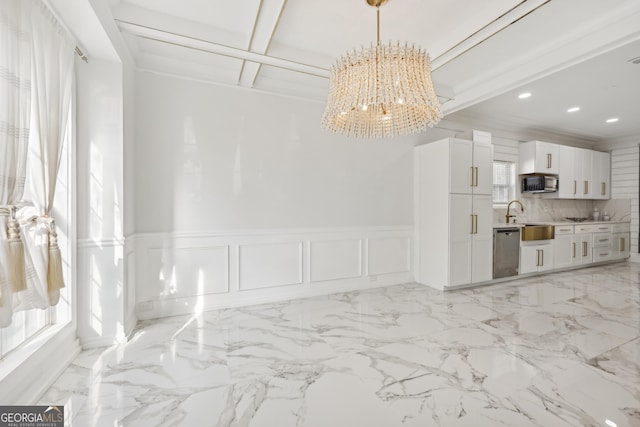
[509, 207]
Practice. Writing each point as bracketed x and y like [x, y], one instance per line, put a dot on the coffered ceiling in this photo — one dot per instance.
[480, 49]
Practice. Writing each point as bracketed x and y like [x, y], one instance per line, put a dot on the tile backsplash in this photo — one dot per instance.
[537, 209]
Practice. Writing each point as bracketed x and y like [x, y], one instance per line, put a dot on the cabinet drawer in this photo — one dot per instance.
[601, 254]
[584, 229]
[601, 239]
[601, 228]
[564, 229]
[623, 227]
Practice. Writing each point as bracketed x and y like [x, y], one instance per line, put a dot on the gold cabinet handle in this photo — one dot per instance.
[542, 257]
[471, 224]
[586, 187]
[623, 246]
[575, 187]
[476, 176]
[475, 224]
[549, 161]
[472, 175]
[584, 248]
[604, 189]
[574, 249]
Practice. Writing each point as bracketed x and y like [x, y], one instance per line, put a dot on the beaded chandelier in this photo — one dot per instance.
[381, 91]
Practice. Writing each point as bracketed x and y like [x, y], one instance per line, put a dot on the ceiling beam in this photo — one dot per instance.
[264, 28]
[219, 49]
[492, 28]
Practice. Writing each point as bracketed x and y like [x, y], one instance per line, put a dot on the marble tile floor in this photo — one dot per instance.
[556, 350]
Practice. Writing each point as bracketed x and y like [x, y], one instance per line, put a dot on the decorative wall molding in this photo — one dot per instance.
[102, 243]
[182, 273]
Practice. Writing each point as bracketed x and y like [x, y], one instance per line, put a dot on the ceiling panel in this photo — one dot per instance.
[603, 87]
[273, 79]
[232, 16]
[166, 58]
[319, 32]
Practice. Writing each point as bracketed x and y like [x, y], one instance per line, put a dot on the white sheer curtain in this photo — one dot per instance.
[52, 82]
[51, 59]
[15, 100]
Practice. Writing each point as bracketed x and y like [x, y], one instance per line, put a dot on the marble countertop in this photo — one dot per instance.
[556, 223]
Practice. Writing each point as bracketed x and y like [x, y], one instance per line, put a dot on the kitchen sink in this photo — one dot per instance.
[530, 232]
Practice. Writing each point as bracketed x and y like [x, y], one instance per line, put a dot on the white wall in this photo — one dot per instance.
[241, 197]
[625, 169]
[211, 157]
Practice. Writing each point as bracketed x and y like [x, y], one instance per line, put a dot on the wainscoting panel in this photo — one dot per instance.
[335, 259]
[389, 255]
[190, 271]
[267, 265]
[194, 272]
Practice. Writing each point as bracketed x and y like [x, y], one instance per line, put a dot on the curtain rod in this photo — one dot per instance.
[55, 14]
[82, 55]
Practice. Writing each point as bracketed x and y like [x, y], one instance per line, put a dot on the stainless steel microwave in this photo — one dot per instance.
[539, 183]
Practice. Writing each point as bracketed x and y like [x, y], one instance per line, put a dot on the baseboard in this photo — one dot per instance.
[201, 303]
[100, 342]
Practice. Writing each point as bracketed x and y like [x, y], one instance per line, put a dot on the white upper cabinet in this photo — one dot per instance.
[471, 167]
[586, 182]
[567, 183]
[582, 173]
[538, 157]
[601, 175]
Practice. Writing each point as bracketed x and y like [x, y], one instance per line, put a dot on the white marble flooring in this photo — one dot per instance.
[555, 350]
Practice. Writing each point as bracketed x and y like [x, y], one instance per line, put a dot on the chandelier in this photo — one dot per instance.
[381, 91]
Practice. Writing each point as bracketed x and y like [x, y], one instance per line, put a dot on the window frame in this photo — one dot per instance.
[513, 185]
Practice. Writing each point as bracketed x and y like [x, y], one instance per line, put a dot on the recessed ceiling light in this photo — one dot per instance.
[524, 95]
[613, 120]
[573, 109]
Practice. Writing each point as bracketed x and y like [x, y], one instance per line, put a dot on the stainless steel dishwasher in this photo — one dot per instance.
[506, 252]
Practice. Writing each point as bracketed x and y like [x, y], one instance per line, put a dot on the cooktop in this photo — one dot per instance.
[574, 219]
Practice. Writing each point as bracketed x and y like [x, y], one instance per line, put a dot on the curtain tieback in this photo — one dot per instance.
[55, 279]
[17, 274]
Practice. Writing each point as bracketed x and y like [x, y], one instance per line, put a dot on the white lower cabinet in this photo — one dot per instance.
[620, 240]
[471, 239]
[572, 249]
[620, 245]
[582, 249]
[536, 256]
[601, 247]
[564, 251]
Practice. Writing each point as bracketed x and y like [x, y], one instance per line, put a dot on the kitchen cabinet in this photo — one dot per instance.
[567, 183]
[585, 177]
[538, 157]
[564, 246]
[471, 170]
[582, 174]
[536, 256]
[454, 215]
[582, 249]
[601, 170]
[620, 241]
[471, 239]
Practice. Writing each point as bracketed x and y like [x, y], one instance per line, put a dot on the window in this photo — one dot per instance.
[504, 182]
